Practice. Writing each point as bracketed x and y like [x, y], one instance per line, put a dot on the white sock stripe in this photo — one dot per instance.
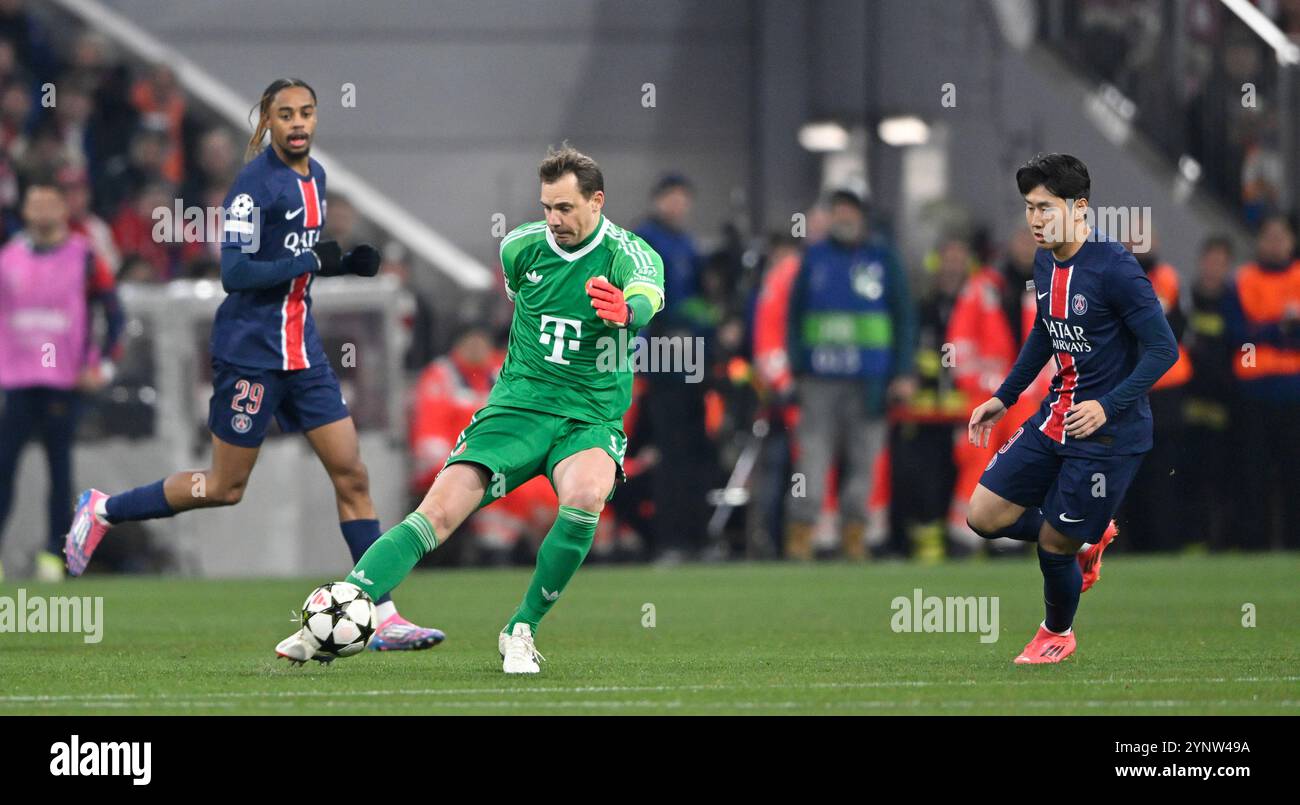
[423, 529]
[579, 516]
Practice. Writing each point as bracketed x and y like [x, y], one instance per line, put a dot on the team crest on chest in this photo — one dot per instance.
[1079, 304]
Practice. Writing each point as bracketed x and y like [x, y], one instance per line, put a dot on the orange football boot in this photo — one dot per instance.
[1090, 559]
[1047, 647]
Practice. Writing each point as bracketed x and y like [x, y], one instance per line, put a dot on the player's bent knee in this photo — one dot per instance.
[226, 494]
[588, 496]
[989, 513]
[1054, 541]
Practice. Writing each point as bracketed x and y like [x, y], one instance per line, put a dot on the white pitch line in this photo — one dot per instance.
[871, 704]
[900, 683]
[288, 694]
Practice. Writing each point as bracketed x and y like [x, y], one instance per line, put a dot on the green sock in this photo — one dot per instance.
[561, 554]
[384, 564]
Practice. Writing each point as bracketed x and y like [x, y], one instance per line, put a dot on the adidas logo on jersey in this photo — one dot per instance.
[533, 277]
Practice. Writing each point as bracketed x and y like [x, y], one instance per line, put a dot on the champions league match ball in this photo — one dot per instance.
[339, 616]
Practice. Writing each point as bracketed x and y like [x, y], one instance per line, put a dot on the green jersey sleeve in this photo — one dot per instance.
[638, 269]
[512, 247]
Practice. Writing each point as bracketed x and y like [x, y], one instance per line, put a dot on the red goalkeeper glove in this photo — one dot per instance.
[608, 302]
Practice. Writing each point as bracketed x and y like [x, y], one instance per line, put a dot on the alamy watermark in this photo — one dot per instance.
[1131, 225]
[976, 614]
[237, 225]
[39, 614]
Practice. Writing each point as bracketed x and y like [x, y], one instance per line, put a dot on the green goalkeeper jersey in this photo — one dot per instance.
[562, 356]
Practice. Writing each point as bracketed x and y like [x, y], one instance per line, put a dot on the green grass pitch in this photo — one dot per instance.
[1156, 635]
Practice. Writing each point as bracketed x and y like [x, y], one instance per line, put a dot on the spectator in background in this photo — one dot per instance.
[114, 120]
[776, 391]
[420, 325]
[1151, 513]
[30, 42]
[159, 101]
[990, 321]
[1208, 490]
[43, 155]
[71, 120]
[665, 230]
[215, 164]
[851, 332]
[1263, 318]
[15, 115]
[11, 71]
[10, 220]
[133, 231]
[1262, 170]
[923, 469]
[75, 182]
[50, 280]
[125, 175]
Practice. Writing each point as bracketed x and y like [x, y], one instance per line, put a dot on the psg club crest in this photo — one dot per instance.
[242, 423]
[1079, 304]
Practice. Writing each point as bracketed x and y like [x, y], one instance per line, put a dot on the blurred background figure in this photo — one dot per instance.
[51, 283]
[1151, 518]
[75, 182]
[1263, 319]
[851, 339]
[990, 321]
[420, 324]
[923, 439]
[666, 229]
[1207, 412]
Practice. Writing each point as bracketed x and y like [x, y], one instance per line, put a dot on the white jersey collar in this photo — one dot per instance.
[571, 256]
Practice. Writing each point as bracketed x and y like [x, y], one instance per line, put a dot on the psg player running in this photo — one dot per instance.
[1060, 478]
[267, 360]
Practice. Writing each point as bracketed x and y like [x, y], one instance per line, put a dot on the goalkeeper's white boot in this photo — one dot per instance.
[299, 647]
[518, 654]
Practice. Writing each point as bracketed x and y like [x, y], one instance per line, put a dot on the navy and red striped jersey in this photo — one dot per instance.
[271, 327]
[1089, 307]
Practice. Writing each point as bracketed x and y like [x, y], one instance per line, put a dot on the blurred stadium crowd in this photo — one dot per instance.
[779, 451]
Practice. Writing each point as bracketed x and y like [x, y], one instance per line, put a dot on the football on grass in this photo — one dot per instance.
[341, 617]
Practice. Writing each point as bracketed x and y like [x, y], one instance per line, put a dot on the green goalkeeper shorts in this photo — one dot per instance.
[515, 444]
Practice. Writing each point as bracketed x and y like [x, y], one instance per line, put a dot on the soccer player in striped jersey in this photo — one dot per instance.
[267, 360]
[580, 285]
[1060, 478]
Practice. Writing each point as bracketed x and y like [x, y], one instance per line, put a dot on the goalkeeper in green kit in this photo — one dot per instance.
[558, 406]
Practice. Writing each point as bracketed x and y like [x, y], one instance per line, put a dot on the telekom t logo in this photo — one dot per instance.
[561, 325]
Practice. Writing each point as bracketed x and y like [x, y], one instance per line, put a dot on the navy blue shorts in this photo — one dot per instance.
[1078, 494]
[244, 399]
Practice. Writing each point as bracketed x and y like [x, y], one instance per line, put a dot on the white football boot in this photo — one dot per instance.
[518, 654]
[299, 647]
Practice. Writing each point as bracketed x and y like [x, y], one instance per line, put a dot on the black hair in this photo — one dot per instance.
[1063, 175]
